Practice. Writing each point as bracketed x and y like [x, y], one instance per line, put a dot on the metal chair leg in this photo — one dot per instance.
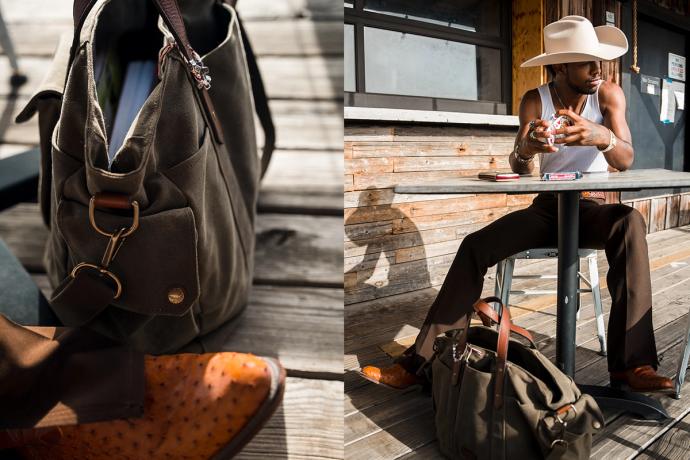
[683, 362]
[7, 45]
[598, 310]
[507, 280]
[579, 297]
[498, 285]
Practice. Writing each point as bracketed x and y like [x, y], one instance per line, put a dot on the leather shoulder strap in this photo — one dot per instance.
[263, 111]
[504, 329]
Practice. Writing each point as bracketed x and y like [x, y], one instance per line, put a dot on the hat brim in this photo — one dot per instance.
[612, 44]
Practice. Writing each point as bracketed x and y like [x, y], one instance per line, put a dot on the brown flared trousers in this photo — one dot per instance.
[62, 376]
[616, 228]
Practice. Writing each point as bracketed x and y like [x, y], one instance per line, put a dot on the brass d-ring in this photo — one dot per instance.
[129, 231]
[103, 271]
[562, 442]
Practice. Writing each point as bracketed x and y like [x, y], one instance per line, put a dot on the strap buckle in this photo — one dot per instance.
[92, 216]
[116, 238]
[199, 71]
[562, 423]
[102, 271]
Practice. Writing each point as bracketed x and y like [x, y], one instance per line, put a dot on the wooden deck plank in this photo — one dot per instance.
[674, 444]
[396, 440]
[271, 10]
[427, 452]
[360, 424]
[300, 37]
[303, 182]
[31, 39]
[312, 77]
[308, 125]
[36, 11]
[299, 250]
[291, 249]
[307, 425]
[303, 327]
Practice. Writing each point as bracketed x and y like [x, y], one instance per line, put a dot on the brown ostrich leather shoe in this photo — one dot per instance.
[643, 379]
[196, 407]
[394, 376]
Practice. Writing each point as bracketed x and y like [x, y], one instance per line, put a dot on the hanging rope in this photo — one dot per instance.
[634, 66]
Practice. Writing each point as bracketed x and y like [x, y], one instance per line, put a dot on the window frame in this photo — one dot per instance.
[359, 19]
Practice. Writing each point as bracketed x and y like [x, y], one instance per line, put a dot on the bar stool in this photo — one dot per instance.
[504, 280]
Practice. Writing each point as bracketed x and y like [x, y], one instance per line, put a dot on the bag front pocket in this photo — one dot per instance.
[156, 265]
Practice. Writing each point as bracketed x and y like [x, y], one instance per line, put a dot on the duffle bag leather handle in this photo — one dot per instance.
[172, 16]
[489, 315]
[504, 329]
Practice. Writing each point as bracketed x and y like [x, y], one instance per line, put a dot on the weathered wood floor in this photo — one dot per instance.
[296, 308]
[385, 424]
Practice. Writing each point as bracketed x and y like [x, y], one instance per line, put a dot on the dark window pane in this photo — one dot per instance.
[349, 57]
[471, 15]
[413, 65]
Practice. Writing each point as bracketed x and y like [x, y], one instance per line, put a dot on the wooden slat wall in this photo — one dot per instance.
[398, 243]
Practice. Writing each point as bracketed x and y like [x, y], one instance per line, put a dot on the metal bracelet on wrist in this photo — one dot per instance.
[520, 159]
[612, 142]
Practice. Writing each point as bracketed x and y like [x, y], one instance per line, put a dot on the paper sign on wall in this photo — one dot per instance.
[610, 18]
[650, 85]
[672, 98]
[680, 100]
[668, 103]
[676, 66]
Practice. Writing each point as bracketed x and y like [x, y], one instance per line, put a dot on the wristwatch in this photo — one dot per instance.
[519, 159]
[612, 143]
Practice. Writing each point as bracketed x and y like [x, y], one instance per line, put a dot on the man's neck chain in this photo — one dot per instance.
[561, 101]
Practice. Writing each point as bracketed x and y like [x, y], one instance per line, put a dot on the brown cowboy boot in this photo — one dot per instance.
[196, 407]
[643, 379]
[394, 376]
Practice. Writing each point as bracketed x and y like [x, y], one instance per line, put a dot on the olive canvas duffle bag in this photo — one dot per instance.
[495, 397]
[150, 170]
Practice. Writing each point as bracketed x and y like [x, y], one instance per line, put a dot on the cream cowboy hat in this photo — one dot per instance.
[574, 39]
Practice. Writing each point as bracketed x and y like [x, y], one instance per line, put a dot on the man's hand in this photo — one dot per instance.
[535, 140]
[582, 132]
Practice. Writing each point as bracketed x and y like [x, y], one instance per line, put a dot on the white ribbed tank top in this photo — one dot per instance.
[569, 157]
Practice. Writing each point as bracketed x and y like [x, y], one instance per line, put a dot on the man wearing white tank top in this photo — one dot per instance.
[598, 140]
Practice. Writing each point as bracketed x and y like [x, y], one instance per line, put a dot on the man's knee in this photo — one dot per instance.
[474, 247]
[631, 219]
[471, 242]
